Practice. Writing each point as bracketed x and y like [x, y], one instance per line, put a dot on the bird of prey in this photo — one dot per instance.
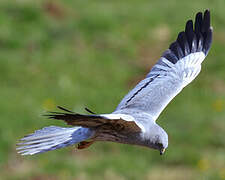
[134, 120]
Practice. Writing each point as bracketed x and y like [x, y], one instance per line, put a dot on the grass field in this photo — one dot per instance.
[87, 53]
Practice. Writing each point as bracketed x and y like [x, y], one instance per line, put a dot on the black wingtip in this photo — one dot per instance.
[196, 37]
[207, 31]
[206, 21]
[182, 40]
[88, 110]
[207, 12]
[64, 109]
[189, 25]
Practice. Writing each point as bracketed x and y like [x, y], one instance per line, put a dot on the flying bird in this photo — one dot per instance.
[134, 120]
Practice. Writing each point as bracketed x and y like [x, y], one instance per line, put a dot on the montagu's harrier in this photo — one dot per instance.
[134, 120]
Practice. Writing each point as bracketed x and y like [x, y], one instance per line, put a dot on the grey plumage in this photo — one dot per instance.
[51, 138]
[134, 120]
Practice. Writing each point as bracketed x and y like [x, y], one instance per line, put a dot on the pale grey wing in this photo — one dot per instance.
[177, 67]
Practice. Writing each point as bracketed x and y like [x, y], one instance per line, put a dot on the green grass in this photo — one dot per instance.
[87, 53]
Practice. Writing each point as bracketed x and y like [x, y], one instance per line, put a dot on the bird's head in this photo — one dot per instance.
[156, 138]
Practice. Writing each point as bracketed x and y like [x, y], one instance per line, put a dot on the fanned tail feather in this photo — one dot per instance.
[51, 138]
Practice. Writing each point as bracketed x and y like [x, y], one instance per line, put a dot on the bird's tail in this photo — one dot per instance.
[51, 138]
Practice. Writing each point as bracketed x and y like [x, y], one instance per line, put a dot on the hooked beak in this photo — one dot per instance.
[162, 151]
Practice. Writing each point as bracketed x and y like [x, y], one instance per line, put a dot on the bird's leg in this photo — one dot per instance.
[84, 144]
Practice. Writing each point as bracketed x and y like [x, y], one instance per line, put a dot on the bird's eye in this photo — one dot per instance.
[159, 145]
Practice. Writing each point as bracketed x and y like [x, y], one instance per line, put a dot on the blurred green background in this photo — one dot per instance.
[86, 53]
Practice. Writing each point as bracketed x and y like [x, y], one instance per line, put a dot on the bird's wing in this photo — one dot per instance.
[177, 67]
[114, 121]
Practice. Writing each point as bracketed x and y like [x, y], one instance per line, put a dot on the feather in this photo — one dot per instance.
[51, 138]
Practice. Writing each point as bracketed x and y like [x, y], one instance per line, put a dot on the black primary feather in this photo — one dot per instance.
[64, 109]
[88, 110]
[193, 39]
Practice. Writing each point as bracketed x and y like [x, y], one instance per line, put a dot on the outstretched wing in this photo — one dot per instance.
[110, 121]
[177, 67]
